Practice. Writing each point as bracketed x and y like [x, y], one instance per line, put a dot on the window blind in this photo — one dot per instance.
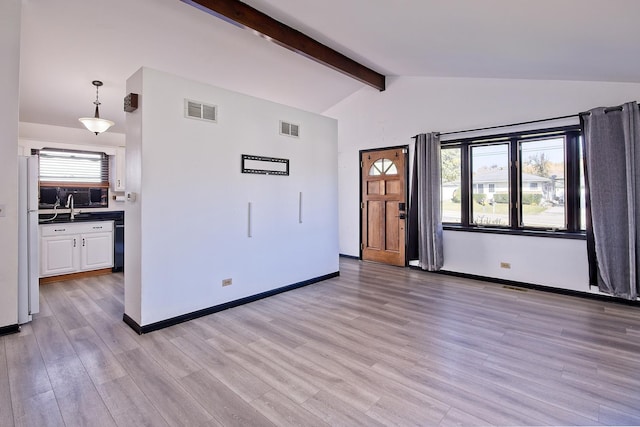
[69, 166]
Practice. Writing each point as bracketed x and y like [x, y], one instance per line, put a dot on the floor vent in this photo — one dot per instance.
[198, 110]
[289, 129]
[514, 288]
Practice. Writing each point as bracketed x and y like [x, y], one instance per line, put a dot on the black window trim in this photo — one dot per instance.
[572, 134]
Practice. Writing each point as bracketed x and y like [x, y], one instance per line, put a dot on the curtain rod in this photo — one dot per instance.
[584, 113]
[510, 125]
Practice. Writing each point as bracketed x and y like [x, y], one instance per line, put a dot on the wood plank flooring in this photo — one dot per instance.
[378, 345]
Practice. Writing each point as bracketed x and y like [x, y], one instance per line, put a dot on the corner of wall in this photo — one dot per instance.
[10, 15]
[133, 215]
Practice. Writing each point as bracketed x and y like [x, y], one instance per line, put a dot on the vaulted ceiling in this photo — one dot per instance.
[66, 44]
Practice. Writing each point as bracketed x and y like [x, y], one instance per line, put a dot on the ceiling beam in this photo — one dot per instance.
[244, 16]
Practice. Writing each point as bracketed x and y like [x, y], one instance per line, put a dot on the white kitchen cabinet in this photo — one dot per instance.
[96, 251]
[58, 255]
[74, 247]
[119, 169]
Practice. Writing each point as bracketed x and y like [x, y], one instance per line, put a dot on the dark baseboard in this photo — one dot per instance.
[349, 256]
[210, 310]
[10, 329]
[132, 324]
[525, 285]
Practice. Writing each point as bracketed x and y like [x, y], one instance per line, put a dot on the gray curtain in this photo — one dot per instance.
[612, 168]
[427, 162]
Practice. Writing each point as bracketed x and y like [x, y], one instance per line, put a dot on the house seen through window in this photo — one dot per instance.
[543, 167]
[490, 166]
[451, 185]
[518, 181]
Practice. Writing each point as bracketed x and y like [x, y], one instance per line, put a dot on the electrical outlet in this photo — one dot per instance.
[505, 265]
[226, 282]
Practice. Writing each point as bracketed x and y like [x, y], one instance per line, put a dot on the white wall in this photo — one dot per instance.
[190, 216]
[411, 105]
[558, 263]
[133, 212]
[72, 136]
[9, 96]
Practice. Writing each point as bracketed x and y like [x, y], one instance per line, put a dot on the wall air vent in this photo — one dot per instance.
[289, 129]
[198, 110]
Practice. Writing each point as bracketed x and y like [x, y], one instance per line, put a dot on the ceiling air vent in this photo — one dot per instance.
[198, 110]
[289, 129]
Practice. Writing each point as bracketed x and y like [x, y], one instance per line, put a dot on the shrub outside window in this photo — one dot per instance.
[523, 181]
[490, 166]
[451, 191]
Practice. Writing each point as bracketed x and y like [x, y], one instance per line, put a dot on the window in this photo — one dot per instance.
[59, 167]
[490, 164]
[451, 190]
[542, 168]
[383, 167]
[524, 181]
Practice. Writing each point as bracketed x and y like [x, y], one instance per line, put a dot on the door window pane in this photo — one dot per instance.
[451, 190]
[383, 167]
[542, 201]
[490, 169]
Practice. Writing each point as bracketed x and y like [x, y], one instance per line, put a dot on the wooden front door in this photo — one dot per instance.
[383, 205]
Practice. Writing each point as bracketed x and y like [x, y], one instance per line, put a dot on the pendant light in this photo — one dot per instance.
[96, 124]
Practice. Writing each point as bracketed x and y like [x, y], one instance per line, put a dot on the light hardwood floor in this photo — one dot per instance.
[378, 345]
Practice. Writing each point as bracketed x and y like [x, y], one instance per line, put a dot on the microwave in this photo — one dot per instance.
[90, 197]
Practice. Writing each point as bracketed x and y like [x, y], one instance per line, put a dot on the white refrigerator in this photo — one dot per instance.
[28, 239]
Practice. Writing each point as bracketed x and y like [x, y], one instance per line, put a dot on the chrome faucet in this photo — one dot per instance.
[70, 205]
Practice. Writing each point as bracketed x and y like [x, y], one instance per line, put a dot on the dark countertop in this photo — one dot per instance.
[83, 217]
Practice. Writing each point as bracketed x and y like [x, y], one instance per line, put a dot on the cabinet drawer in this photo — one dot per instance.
[97, 227]
[57, 229]
[64, 228]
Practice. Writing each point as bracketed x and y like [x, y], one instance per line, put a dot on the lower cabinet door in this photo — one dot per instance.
[59, 255]
[97, 251]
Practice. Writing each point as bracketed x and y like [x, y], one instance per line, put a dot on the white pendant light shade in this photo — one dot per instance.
[96, 124]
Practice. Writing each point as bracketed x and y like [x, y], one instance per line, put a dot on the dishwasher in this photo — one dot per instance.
[118, 243]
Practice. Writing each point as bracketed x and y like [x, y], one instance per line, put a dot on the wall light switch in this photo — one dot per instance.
[3, 210]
